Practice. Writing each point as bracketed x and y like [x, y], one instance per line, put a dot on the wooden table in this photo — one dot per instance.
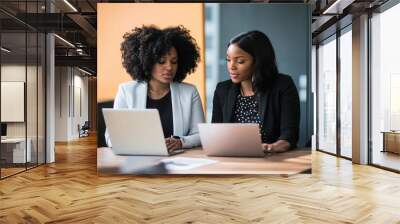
[288, 163]
[391, 141]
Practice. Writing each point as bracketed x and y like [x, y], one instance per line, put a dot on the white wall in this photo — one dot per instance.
[71, 94]
[80, 117]
[80, 109]
[12, 73]
[61, 103]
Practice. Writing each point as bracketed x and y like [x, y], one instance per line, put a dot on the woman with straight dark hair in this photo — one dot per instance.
[258, 93]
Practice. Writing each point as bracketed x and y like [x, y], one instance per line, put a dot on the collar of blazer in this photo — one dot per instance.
[141, 99]
[262, 99]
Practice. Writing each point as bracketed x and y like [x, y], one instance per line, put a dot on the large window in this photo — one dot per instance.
[385, 88]
[335, 137]
[346, 92]
[327, 95]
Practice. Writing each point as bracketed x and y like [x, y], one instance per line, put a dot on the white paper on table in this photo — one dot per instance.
[185, 163]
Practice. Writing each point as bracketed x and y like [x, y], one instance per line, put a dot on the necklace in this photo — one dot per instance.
[243, 94]
[241, 91]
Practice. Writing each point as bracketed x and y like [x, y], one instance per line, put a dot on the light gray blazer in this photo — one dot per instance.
[187, 109]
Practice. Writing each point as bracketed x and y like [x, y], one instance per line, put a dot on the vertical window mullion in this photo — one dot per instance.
[317, 96]
[26, 86]
[37, 89]
[338, 73]
[369, 100]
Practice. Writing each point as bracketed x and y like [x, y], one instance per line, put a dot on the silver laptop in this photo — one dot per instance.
[136, 132]
[231, 139]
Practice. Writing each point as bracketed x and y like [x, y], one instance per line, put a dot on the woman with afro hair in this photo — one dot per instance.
[158, 60]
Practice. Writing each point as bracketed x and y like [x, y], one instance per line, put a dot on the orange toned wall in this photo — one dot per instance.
[113, 20]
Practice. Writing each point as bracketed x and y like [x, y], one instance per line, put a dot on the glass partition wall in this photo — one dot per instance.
[334, 83]
[385, 89]
[22, 91]
[13, 110]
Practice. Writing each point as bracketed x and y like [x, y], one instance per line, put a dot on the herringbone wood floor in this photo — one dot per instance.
[70, 191]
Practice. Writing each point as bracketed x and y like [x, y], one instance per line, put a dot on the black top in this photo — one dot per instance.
[164, 107]
[279, 108]
[246, 111]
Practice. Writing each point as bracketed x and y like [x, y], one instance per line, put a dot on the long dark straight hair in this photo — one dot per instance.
[258, 45]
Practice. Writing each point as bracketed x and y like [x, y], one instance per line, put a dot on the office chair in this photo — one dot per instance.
[84, 130]
[101, 126]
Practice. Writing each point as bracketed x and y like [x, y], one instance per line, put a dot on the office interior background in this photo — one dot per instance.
[48, 76]
[48, 80]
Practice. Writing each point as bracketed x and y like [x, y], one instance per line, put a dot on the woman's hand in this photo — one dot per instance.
[173, 144]
[278, 146]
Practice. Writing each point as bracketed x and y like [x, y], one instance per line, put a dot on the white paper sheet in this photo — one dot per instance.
[185, 163]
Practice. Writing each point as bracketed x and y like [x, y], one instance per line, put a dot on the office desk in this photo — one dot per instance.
[288, 163]
[13, 150]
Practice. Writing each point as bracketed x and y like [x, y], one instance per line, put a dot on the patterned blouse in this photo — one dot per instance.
[246, 111]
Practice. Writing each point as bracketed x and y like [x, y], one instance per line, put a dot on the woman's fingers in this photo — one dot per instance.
[168, 143]
[276, 147]
[267, 147]
[172, 144]
[264, 146]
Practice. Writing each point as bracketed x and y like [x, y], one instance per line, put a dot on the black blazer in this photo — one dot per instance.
[279, 108]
